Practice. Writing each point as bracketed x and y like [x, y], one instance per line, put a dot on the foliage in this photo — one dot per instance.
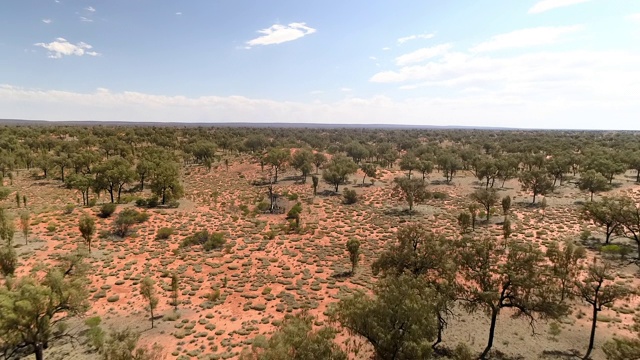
[106, 210]
[536, 182]
[123, 345]
[126, 219]
[592, 182]
[487, 198]
[353, 247]
[388, 321]
[165, 182]
[604, 213]
[565, 261]
[87, 228]
[350, 196]
[148, 292]
[164, 233]
[338, 170]
[413, 190]
[208, 241]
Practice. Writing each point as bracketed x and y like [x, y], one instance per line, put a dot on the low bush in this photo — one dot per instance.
[164, 233]
[208, 241]
[126, 219]
[107, 209]
[350, 196]
[68, 209]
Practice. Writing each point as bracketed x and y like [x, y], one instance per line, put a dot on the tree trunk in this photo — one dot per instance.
[492, 329]
[141, 182]
[151, 316]
[592, 196]
[111, 193]
[534, 197]
[594, 321]
[38, 351]
[441, 324]
[62, 173]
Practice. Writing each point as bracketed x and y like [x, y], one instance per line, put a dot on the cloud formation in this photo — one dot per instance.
[277, 34]
[46, 21]
[90, 9]
[61, 47]
[546, 5]
[634, 17]
[423, 54]
[525, 38]
[403, 40]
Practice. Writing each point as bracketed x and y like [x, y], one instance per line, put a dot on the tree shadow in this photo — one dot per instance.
[342, 275]
[400, 212]
[560, 354]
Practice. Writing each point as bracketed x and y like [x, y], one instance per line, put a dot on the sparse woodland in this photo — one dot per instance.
[174, 242]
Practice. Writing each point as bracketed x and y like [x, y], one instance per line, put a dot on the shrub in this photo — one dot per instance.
[51, 227]
[173, 204]
[164, 233]
[585, 235]
[153, 202]
[68, 209]
[141, 202]
[92, 202]
[263, 206]
[208, 241]
[107, 209]
[350, 196]
[126, 219]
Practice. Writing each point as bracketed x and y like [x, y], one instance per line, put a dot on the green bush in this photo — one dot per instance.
[68, 209]
[153, 202]
[141, 202]
[350, 196]
[164, 233]
[208, 241]
[107, 209]
[173, 204]
[585, 235]
[126, 219]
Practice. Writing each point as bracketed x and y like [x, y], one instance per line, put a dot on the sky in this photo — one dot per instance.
[554, 64]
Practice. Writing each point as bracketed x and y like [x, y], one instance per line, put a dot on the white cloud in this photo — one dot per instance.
[90, 9]
[61, 47]
[403, 40]
[524, 38]
[85, 19]
[179, 13]
[46, 21]
[423, 54]
[509, 108]
[546, 5]
[386, 48]
[278, 34]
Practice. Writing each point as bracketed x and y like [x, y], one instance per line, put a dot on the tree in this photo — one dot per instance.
[514, 278]
[421, 253]
[33, 308]
[506, 205]
[624, 348]
[126, 219]
[338, 170]
[413, 190]
[165, 182]
[388, 321]
[319, 159]
[302, 161]
[81, 183]
[535, 181]
[353, 246]
[297, 340]
[409, 162]
[506, 230]
[175, 287]
[473, 212]
[123, 345]
[8, 256]
[565, 265]
[425, 165]
[607, 166]
[557, 167]
[278, 159]
[314, 182]
[144, 169]
[487, 198]
[25, 225]
[592, 182]
[149, 293]
[87, 228]
[628, 216]
[597, 290]
[604, 213]
[449, 165]
[485, 168]
[369, 170]
[115, 173]
[464, 221]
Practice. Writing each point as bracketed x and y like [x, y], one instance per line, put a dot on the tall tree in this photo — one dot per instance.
[165, 182]
[413, 190]
[277, 158]
[598, 291]
[514, 278]
[369, 169]
[338, 170]
[566, 265]
[487, 198]
[592, 182]
[604, 213]
[302, 161]
[115, 173]
[25, 225]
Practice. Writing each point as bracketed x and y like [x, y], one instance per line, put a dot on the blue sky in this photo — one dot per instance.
[524, 63]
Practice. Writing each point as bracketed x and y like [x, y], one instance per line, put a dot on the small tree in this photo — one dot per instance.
[487, 198]
[175, 287]
[350, 196]
[369, 170]
[277, 158]
[318, 160]
[506, 205]
[18, 199]
[126, 219]
[506, 230]
[302, 160]
[473, 212]
[315, 180]
[604, 213]
[592, 182]
[149, 293]
[87, 228]
[353, 246]
[598, 291]
[25, 225]
[565, 265]
[537, 182]
[413, 190]
[339, 170]
[543, 206]
[464, 221]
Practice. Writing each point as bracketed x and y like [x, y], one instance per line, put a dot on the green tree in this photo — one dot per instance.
[604, 213]
[81, 183]
[148, 292]
[409, 162]
[114, 173]
[513, 278]
[608, 166]
[369, 169]
[412, 190]
[302, 161]
[175, 287]
[319, 159]
[8, 256]
[537, 182]
[123, 345]
[425, 165]
[628, 215]
[592, 182]
[338, 170]
[506, 205]
[487, 198]
[314, 182]
[87, 228]
[464, 221]
[624, 348]
[565, 265]
[599, 292]
[165, 182]
[473, 212]
[421, 253]
[449, 164]
[25, 225]
[353, 247]
[144, 169]
[297, 340]
[126, 219]
[278, 159]
[34, 309]
[388, 321]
